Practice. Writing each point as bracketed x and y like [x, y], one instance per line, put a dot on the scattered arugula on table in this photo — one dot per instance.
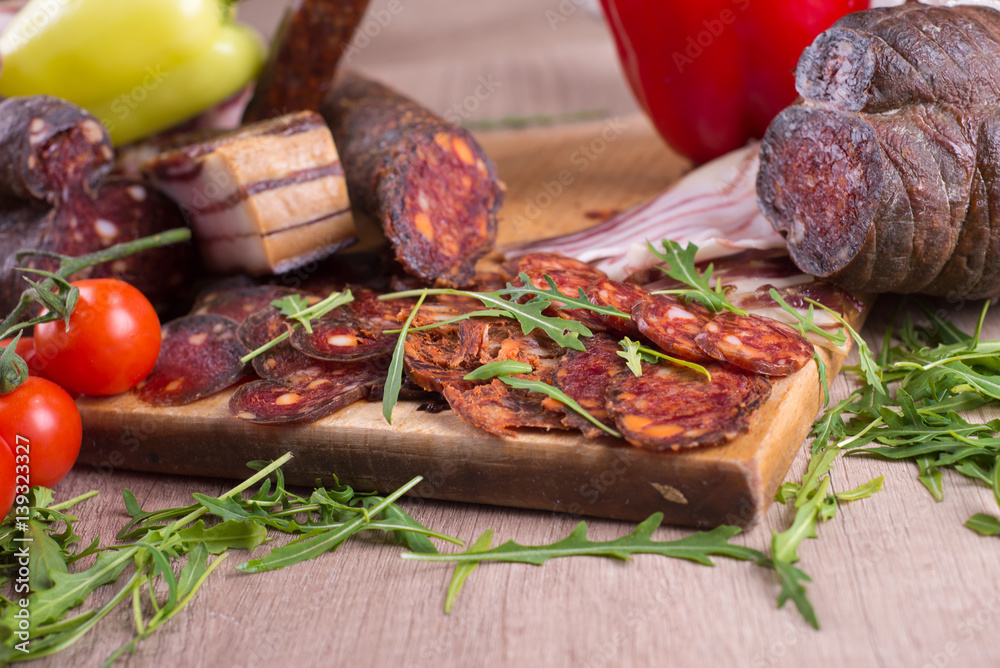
[173, 549]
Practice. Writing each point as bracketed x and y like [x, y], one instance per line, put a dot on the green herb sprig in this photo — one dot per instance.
[680, 265]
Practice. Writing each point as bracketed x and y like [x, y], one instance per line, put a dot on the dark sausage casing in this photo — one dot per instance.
[426, 181]
[884, 176]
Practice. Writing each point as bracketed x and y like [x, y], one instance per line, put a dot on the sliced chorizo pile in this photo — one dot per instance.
[345, 357]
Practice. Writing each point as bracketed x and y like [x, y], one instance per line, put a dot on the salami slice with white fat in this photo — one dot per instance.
[199, 356]
[754, 343]
[341, 336]
[309, 396]
[622, 296]
[672, 408]
[672, 325]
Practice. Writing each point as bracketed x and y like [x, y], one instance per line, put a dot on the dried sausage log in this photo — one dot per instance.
[427, 183]
[55, 196]
[199, 356]
[885, 177]
[310, 40]
[755, 344]
[671, 408]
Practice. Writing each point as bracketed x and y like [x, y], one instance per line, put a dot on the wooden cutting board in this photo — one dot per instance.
[558, 179]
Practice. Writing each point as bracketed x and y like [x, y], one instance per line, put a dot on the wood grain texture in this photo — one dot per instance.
[897, 580]
[554, 177]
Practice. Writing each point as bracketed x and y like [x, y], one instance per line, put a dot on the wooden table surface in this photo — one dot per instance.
[897, 579]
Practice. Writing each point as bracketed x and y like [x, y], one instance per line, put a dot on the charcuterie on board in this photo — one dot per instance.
[554, 469]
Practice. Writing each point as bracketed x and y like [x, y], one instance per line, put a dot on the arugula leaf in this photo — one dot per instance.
[498, 368]
[698, 547]
[394, 377]
[863, 491]
[635, 354]
[806, 323]
[986, 525]
[297, 308]
[554, 294]
[681, 267]
[464, 569]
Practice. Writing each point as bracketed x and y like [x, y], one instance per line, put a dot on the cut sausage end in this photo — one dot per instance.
[819, 184]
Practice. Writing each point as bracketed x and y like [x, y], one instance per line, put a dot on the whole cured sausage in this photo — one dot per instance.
[54, 196]
[426, 181]
[885, 176]
[306, 49]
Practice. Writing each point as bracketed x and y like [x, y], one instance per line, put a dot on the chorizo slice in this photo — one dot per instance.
[672, 325]
[622, 296]
[585, 377]
[199, 356]
[754, 343]
[498, 408]
[424, 180]
[306, 398]
[671, 408]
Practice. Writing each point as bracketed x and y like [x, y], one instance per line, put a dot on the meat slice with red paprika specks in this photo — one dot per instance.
[199, 356]
[672, 325]
[585, 377]
[497, 408]
[672, 408]
[622, 296]
[754, 343]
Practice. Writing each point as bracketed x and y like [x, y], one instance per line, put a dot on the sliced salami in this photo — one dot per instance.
[586, 376]
[670, 408]
[754, 343]
[199, 356]
[433, 360]
[240, 303]
[307, 398]
[622, 296]
[498, 408]
[542, 263]
[341, 336]
[672, 325]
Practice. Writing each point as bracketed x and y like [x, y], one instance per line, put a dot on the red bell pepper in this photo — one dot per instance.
[712, 74]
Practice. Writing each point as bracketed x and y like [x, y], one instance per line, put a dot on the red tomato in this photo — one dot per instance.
[41, 419]
[112, 342]
[7, 474]
[26, 350]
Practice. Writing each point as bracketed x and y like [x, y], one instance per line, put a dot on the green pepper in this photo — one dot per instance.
[140, 66]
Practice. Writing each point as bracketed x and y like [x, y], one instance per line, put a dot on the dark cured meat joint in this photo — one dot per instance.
[668, 407]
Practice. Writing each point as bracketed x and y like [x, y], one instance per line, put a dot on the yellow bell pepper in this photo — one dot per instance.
[140, 66]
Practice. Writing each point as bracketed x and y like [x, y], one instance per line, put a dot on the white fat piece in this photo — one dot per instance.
[263, 200]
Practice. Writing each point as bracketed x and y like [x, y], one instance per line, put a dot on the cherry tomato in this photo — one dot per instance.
[7, 482]
[42, 417]
[26, 349]
[112, 342]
